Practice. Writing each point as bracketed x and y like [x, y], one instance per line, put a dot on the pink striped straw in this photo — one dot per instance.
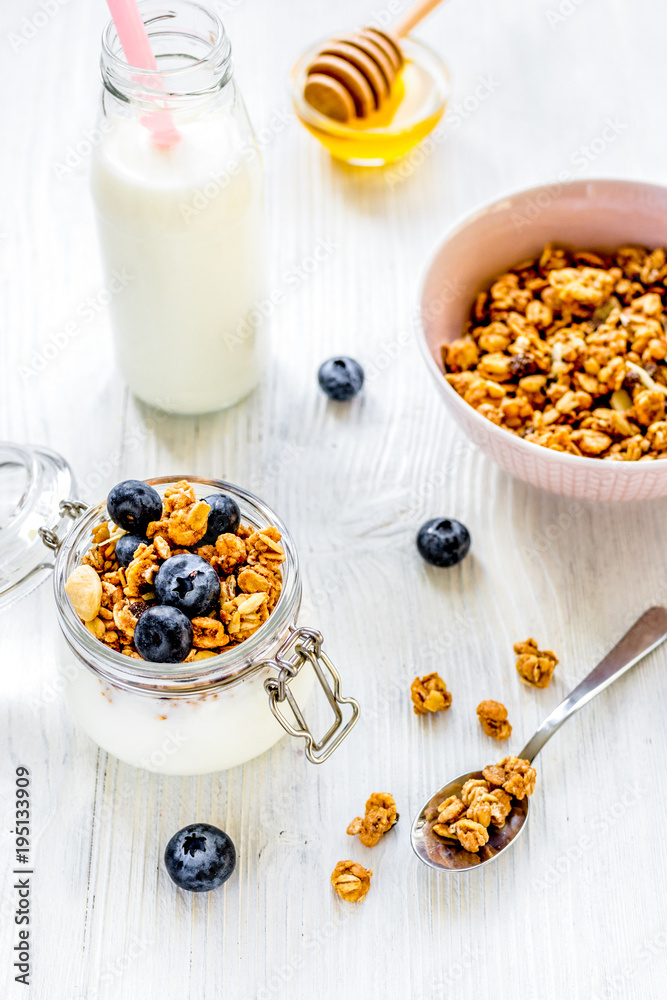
[138, 52]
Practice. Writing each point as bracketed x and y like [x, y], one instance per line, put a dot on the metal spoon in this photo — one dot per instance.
[647, 633]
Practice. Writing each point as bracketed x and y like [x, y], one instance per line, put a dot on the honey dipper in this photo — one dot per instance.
[352, 75]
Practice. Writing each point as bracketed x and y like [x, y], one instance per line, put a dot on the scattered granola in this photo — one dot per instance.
[534, 666]
[493, 717]
[569, 351]
[380, 816]
[430, 694]
[484, 802]
[351, 881]
[110, 598]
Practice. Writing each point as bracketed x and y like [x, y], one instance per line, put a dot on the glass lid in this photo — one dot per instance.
[33, 482]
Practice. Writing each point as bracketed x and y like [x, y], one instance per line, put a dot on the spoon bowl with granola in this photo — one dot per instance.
[476, 816]
[544, 324]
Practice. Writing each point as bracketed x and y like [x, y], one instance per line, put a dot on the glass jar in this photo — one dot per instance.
[180, 219]
[208, 715]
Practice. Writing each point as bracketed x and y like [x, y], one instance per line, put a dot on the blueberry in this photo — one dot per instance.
[443, 541]
[189, 583]
[126, 546]
[341, 378]
[132, 505]
[163, 635]
[223, 519]
[200, 857]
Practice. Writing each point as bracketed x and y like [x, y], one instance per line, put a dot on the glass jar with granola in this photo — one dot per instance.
[246, 670]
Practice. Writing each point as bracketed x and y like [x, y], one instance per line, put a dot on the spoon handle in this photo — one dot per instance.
[647, 633]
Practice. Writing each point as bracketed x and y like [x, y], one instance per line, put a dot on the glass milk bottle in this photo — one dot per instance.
[177, 183]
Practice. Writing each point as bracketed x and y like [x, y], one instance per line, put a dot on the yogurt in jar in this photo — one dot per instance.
[184, 227]
[192, 734]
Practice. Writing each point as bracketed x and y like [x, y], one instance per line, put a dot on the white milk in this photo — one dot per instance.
[184, 229]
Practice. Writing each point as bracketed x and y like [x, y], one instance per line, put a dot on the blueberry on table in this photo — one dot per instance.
[443, 541]
[200, 857]
[132, 505]
[341, 378]
[189, 583]
[163, 635]
[223, 519]
[126, 546]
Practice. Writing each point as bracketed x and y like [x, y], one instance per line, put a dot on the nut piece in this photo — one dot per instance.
[84, 589]
[471, 835]
[450, 810]
[430, 694]
[493, 717]
[472, 788]
[501, 807]
[515, 775]
[534, 666]
[380, 816]
[351, 881]
[479, 811]
[495, 774]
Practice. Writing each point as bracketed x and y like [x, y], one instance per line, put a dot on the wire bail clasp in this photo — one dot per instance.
[66, 508]
[304, 645]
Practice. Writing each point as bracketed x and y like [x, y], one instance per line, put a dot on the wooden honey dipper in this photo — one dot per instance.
[351, 76]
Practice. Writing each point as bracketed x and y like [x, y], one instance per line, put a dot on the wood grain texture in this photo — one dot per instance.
[578, 908]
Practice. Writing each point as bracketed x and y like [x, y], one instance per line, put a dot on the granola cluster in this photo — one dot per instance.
[351, 881]
[484, 802]
[493, 718]
[534, 666]
[430, 694]
[247, 563]
[380, 816]
[569, 352]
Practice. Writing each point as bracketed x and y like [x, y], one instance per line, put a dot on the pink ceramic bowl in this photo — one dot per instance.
[601, 214]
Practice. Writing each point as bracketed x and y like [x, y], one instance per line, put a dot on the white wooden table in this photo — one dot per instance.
[578, 908]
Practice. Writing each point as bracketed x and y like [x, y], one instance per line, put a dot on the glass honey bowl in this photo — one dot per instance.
[416, 105]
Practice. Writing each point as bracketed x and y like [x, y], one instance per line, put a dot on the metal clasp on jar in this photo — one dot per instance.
[304, 645]
[66, 508]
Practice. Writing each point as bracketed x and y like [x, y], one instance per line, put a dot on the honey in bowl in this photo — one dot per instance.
[417, 102]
